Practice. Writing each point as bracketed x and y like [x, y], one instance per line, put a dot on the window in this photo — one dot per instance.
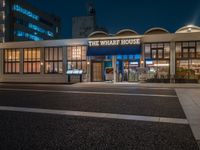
[158, 69]
[25, 12]
[77, 58]
[185, 50]
[185, 53]
[19, 33]
[41, 30]
[53, 60]
[188, 60]
[32, 61]
[192, 52]
[76, 53]
[157, 57]
[157, 51]
[147, 51]
[198, 50]
[154, 54]
[167, 51]
[12, 61]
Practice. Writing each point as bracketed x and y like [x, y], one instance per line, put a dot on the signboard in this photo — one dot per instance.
[114, 42]
[109, 74]
[75, 72]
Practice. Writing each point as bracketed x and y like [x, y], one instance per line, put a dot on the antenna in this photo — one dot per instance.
[91, 8]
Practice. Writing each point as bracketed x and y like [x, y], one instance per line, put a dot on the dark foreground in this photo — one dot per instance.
[40, 131]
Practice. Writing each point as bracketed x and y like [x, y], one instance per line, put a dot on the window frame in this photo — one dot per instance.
[189, 58]
[12, 61]
[53, 60]
[156, 46]
[77, 61]
[32, 61]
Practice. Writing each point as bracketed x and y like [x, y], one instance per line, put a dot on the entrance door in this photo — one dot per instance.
[97, 74]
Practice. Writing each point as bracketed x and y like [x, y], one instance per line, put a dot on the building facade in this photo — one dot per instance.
[20, 21]
[83, 26]
[155, 56]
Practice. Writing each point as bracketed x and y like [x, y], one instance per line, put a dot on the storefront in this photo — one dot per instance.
[155, 56]
[114, 58]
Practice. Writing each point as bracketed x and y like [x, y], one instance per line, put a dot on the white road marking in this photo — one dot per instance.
[87, 92]
[95, 115]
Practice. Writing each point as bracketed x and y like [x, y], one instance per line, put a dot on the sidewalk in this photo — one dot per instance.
[190, 101]
[137, 84]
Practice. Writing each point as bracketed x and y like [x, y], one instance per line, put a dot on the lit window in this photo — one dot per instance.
[25, 12]
[76, 57]
[76, 53]
[32, 61]
[39, 29]
[28, 36]
[11, 61]
[53, 60]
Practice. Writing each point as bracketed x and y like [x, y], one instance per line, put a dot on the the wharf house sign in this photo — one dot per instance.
[114, 42]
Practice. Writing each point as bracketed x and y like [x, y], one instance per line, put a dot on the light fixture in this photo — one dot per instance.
[189, 29]
[88, 63]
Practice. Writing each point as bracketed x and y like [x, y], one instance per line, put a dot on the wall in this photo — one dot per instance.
[83, 26]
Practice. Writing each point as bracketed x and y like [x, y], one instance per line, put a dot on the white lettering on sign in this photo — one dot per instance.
[114, 42]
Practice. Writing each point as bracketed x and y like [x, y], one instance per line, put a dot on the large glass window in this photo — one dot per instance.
[77, 58]
[32, 61]
[54, 60]
[157, 59]
[188, 60]
[158, 69]
[11, 61]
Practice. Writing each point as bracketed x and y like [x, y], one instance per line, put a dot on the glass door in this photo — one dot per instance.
[126, 71]
[133, 71]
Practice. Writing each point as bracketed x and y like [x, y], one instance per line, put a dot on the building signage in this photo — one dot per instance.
[114, 42]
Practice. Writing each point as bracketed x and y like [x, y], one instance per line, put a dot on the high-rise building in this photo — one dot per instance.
[20, 21]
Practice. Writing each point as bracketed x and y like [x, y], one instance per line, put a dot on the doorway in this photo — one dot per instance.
[127, 71]
[97, 73]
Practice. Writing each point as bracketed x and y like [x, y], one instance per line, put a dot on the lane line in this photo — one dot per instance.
[95, 115]
[86, 92]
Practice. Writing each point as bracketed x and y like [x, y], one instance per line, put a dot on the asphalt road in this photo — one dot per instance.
[50, 131]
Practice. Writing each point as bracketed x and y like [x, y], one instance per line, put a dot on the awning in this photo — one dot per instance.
[116, 50]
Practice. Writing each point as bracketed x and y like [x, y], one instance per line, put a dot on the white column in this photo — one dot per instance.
[172, 62]
[65, 63]
[114, 60]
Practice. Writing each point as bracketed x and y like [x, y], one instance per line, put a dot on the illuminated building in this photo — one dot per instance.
[20, 21]
[155, 56]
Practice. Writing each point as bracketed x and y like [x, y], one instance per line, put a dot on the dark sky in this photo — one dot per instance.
[139, 15]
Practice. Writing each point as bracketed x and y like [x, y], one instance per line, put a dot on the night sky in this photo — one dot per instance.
[138, 15]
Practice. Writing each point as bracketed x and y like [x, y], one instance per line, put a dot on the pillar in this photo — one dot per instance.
[172, 62]
[114, 64]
